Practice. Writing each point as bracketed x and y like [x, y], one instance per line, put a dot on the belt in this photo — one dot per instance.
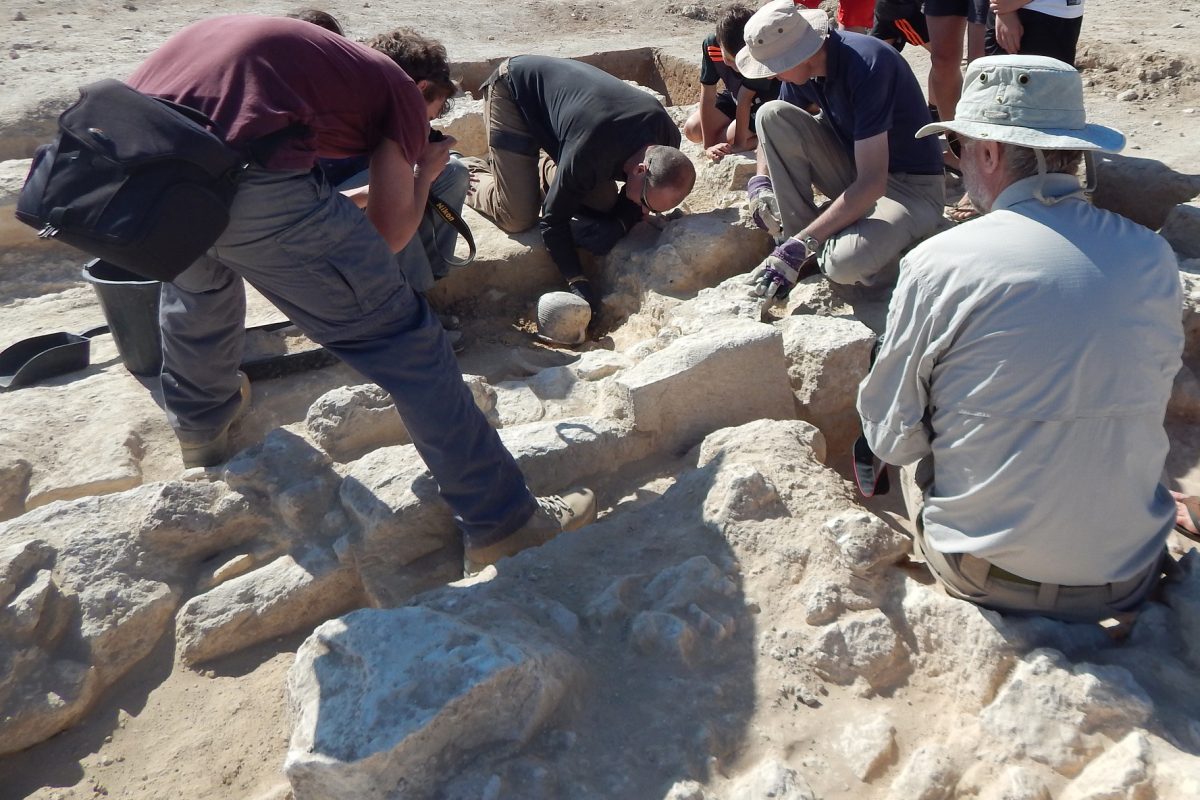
[1047, 593]
[1003, 574]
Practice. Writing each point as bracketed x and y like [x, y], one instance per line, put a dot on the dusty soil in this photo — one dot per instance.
[166, 731]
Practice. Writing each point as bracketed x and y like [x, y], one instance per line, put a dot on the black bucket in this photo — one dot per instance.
[130, 304]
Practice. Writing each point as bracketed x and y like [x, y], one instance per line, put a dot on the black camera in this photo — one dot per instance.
[435, 135]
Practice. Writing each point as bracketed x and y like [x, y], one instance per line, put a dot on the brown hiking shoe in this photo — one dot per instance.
[213, 451]
[554, 514]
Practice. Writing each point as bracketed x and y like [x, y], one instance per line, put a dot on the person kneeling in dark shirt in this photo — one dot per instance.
[597, 130]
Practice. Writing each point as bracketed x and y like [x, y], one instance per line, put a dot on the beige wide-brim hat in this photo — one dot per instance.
[780, 36]
[1030, 101]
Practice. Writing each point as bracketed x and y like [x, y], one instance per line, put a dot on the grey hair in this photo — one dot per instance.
[1021, 162]
[667, 166]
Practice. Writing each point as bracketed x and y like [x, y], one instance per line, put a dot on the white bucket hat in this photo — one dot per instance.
[779, 36]
[1030, 101]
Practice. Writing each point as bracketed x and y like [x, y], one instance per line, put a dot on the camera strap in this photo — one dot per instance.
[452, 218]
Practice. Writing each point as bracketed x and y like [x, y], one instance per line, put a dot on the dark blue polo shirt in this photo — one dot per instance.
[868, 88]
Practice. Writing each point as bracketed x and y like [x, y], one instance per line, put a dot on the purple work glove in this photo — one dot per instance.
[788, 263]
[764, 207]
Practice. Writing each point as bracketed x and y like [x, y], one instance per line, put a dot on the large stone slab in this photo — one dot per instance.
[709, 380]
[385, 701]
[827, 358]
[289, 594]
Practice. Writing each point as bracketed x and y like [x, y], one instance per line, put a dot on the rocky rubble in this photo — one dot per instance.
[738, 624]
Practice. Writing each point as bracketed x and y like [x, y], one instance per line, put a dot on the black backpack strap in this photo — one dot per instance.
[443, 210]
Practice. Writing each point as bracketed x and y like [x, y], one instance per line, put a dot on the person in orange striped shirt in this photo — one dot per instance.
[724, 122]
[900, 22]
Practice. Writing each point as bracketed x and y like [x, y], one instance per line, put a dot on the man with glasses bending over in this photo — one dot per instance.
[597, 130]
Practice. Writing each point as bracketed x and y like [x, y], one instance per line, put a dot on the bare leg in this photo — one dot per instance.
[946, 52]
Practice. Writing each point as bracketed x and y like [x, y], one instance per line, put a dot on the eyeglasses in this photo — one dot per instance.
[646, 185]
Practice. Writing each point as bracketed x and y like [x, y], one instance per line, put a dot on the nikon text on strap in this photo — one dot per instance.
[443, 210]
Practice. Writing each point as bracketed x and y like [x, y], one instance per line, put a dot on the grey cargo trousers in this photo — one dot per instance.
[318, 258]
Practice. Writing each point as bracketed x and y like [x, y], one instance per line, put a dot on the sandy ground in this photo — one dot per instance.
[166, 731]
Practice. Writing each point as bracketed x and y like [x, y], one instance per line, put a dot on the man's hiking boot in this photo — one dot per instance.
[554, 514]
[215, 450]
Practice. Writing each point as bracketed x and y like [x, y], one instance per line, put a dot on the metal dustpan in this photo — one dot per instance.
[46, 356]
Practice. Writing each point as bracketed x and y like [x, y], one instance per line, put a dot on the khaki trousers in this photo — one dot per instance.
[510, 192]
[803, 152]
[975, 579]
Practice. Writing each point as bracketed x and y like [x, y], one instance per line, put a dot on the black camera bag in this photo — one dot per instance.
[139, 182]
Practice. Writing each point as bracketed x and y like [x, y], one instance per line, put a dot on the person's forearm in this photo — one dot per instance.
[399, 225]
[847, 208]
[712, 123]
[741, 124]
[1006, 6]
[560, 242]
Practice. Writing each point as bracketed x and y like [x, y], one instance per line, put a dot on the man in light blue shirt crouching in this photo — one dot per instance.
[1026, 366]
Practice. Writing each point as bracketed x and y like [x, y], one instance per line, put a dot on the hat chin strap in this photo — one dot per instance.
[1041, 184]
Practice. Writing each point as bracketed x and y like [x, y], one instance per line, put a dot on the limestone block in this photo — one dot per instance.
[661, 635]
[1052, 713]
[1176, 773]
[1123, 771]
[40, 696]
[738, 370]
[821, 601]
[691, 253]
[661, 98]
[683, 612]
[686, 790]
[464, 121]
[517, 404]
[382, 699]
[968, 674]
[559, 454]
[191, 521]
[740, 493]
[289, 594]
[771, 778]
[350, 420]
[868, 747]
[509, 272]
[20, 619]
[113, 464]
[827, 358]
[1182, 596]
[122, 619]
[729, 300]
[1141, 189]
[395, 503]
[595, 365]
[1182, 229]
[1016, 782]
[868, 544]
[695, 581]
[719, 184]
[296, 478]
[14, 486]
[17, 560]
[763, 442]
[1185, 395]
[863, 644]
[928, 774]
[1189, 279]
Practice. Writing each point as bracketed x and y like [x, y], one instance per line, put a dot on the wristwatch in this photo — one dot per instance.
[811, 244]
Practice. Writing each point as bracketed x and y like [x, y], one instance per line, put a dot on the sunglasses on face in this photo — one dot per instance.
[646, 185]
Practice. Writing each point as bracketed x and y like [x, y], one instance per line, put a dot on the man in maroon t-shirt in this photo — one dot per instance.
[288, 92]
